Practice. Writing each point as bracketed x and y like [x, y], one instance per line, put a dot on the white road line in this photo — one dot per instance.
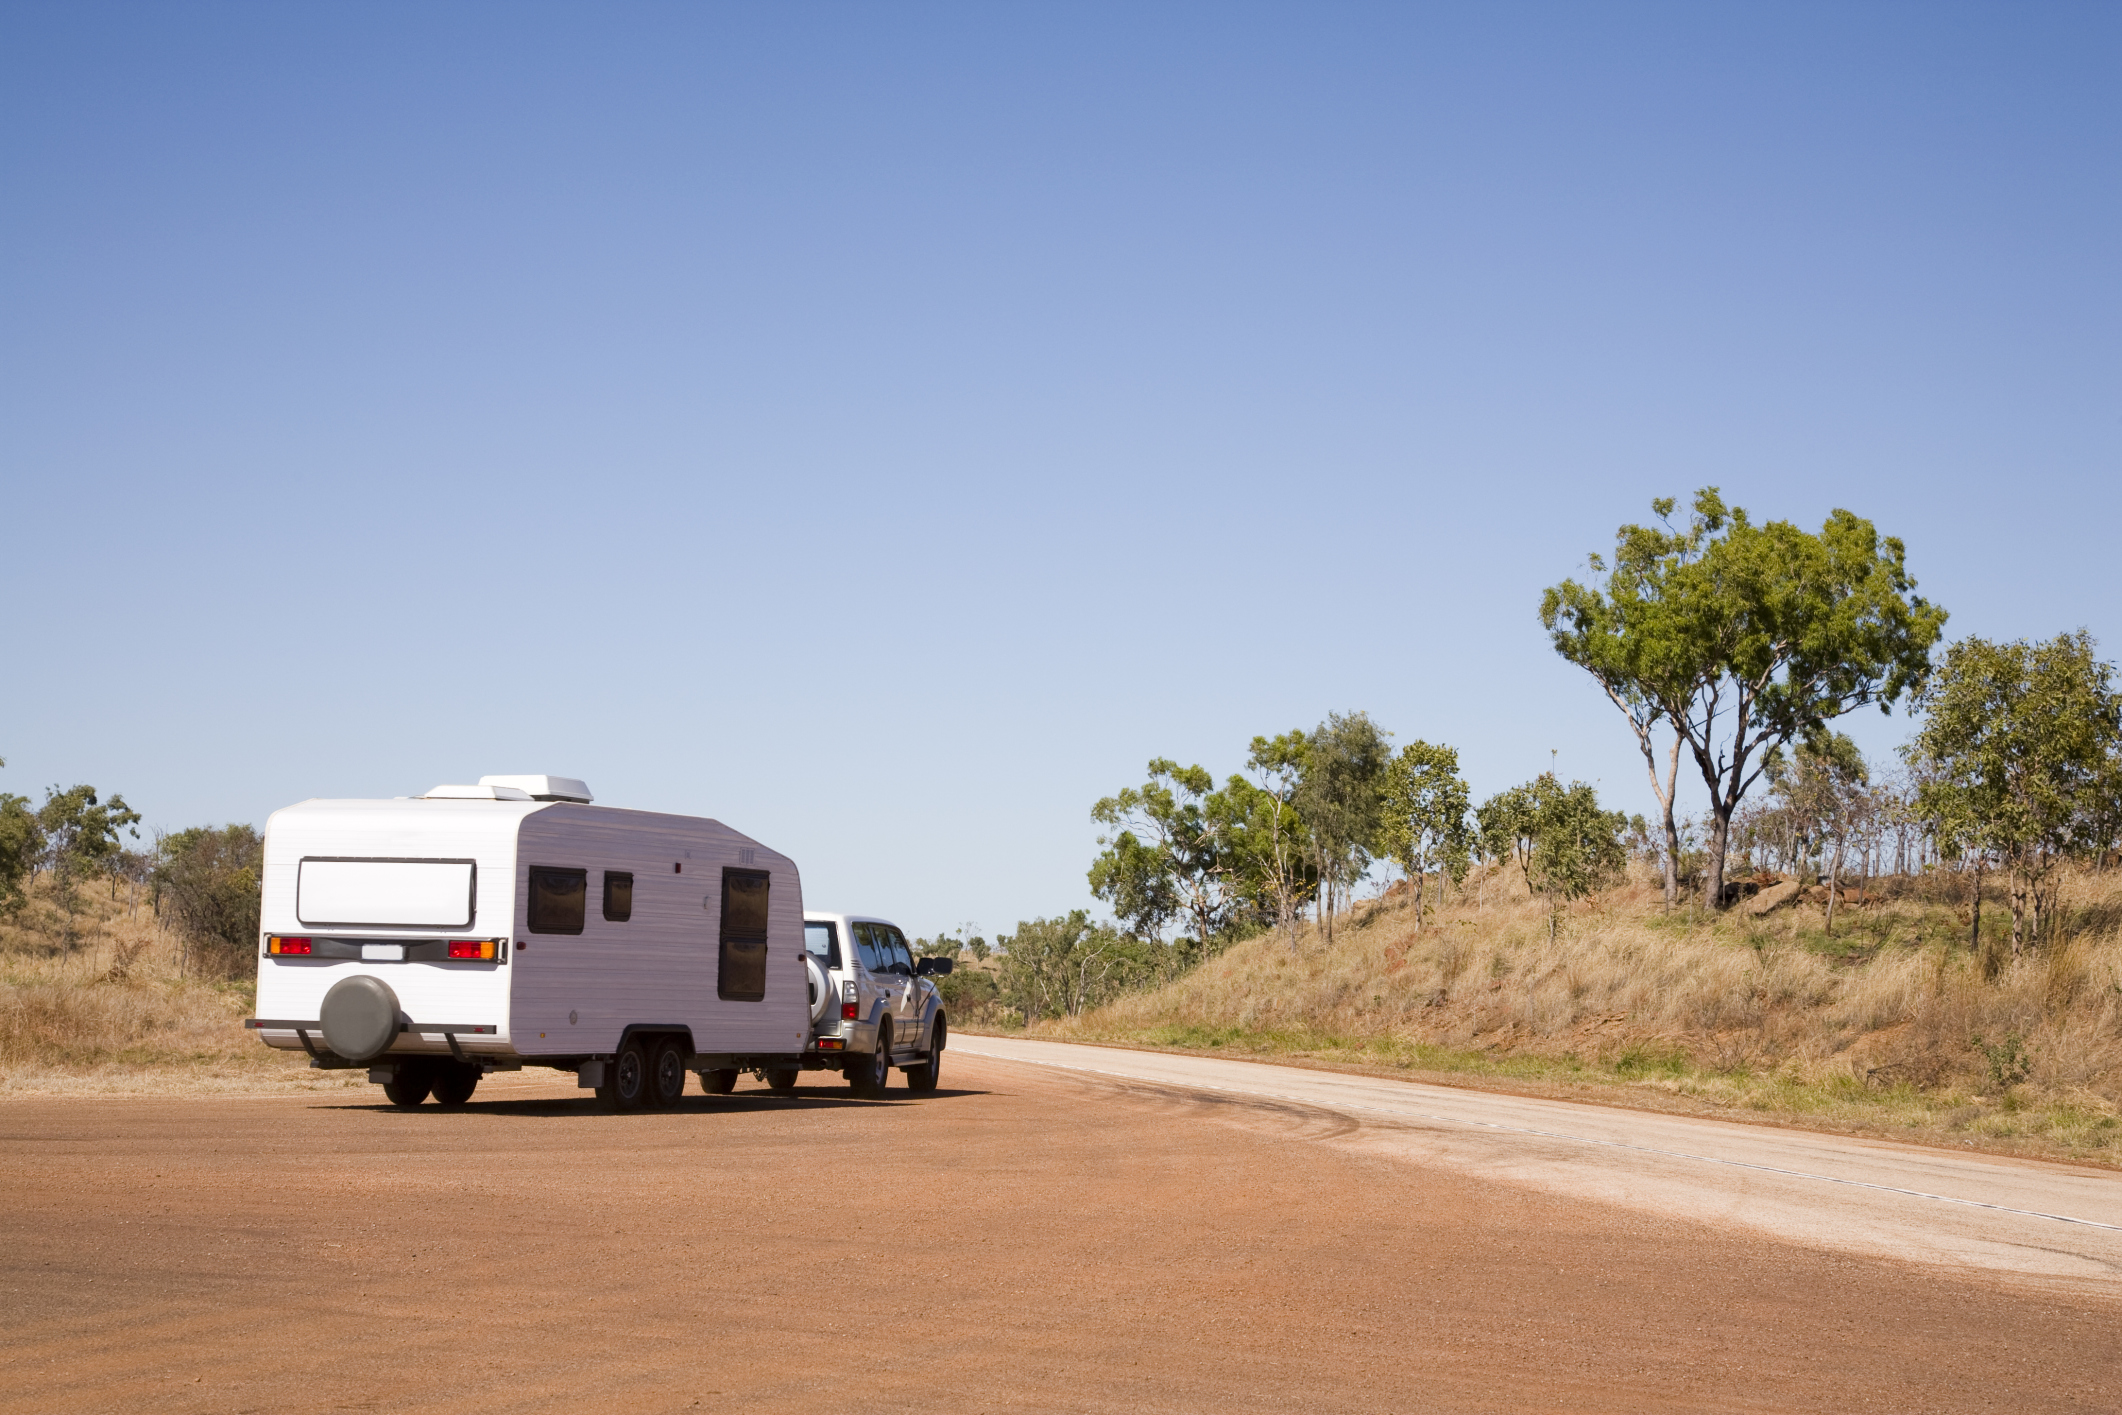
[1317, 1104]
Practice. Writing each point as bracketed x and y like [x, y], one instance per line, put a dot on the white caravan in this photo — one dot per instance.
[435, 938]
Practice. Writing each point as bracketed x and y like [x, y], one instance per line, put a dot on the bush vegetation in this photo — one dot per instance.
[1889, 1026]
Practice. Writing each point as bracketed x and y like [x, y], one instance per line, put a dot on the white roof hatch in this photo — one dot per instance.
[542, 788]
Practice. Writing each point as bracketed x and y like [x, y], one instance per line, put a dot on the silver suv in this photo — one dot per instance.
[873, 1006]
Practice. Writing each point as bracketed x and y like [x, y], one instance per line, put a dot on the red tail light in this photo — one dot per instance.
[287, 945]
[847, 1009]
[471, 948]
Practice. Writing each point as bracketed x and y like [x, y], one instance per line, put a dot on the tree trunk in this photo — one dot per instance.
[1974, 940]
[2016, 892]
[1418, 897]
[1834, 877]
[1719, 842]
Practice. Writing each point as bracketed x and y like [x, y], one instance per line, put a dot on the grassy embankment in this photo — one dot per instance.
[1889, 1027]
[113, 1013]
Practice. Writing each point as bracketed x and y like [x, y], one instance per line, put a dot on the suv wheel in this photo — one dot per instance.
[625, 1079]
[871, 1075]
[925, 1076]
[667, 1080]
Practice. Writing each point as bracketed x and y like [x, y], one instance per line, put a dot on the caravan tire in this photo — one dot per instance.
[783, 1081]
[454, 1082]
[625, 1085]
[409, 1087]
[667, 1081]
[719, 1082]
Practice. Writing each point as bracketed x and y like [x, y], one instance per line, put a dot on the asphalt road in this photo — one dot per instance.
[1066, 1229]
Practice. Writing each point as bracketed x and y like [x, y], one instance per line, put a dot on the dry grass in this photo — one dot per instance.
[114, 1014]
[1890, 1027]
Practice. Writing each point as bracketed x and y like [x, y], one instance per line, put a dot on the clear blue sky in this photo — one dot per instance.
[886, 427]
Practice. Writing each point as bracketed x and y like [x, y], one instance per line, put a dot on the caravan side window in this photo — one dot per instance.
[741, 975]
[618, 896]
[556, 899]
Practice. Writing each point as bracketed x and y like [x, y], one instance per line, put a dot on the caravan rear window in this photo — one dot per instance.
[741, 975]
[556, 899]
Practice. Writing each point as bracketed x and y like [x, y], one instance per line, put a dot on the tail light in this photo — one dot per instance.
[471, 948]
[287, 945]
[847, 1009]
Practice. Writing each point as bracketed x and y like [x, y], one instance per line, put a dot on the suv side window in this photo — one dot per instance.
[902, 961]
[822, 942]
[866, 945]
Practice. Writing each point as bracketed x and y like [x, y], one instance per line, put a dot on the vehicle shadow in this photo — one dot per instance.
[740, 1102]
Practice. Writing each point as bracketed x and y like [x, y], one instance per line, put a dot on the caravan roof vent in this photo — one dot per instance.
[481, 792]
[543, 788]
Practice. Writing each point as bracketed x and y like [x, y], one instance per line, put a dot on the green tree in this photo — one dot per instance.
[1338, 798]
[21, 842]
[2020, 756]
[211, 879]
[1281, 844]
[1061, 967]
[1825, 791]
[1507, 826]
[1424, 816]
[1169, 854]
[80, 833]
[1577, 847]
[1741, 638]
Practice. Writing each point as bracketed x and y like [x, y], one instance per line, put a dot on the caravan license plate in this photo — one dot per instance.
[383, 953]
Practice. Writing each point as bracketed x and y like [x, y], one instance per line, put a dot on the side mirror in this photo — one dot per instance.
[936, 967]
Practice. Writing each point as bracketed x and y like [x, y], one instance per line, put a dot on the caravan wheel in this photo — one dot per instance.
[719, 1082]
[669, 1076]
[625, 1079]
[454, 1082]
[410, 1085]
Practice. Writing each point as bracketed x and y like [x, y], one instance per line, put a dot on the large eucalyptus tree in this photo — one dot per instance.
[1738, 638]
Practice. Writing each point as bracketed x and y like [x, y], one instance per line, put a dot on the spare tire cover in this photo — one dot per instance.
[821, 987]
[360, 1017]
